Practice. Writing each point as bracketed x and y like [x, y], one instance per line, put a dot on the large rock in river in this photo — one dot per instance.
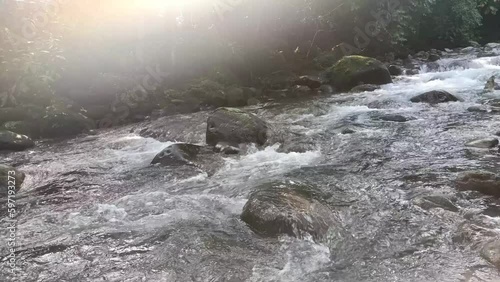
[491, 253]
[60, 123]
[235, 126]
[485, 182]
[16, 179]
[484, 143]
[182, 154]
[178, 154]
[351, 71]
[27, 128]
[11, 141]
[287, 208]
[434, 97]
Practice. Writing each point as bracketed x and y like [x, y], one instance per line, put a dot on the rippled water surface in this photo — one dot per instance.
[92, 209]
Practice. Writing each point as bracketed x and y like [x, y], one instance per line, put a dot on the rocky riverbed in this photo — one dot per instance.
[387, 185]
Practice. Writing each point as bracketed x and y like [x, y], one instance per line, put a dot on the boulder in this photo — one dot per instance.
[289, 208]
[484, 182]
[395, 70]
[59, 123]
[412, 72]
[16, 177]
[491, 85]
[178, 154]
[347, 131]
[182, 154]
[433, 57]
[435, 201]
[485, 143]
[355, 70]
[236, 97]
[468, 50]
[492, 45]
[235, 126]
[474, 44]
[27, 128]
[491, 253]
[97, 112]
[483, 109]
[21, 113]
[394, 118]
[434, 97]
[210, 94]
[309, 82]
[364, 88]
[11, 141]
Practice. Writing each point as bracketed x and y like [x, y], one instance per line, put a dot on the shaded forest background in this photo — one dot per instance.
[75, 54]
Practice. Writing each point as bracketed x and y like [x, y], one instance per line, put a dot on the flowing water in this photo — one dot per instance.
[92, 209]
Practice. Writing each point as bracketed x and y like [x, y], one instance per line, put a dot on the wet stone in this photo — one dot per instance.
[485, 143]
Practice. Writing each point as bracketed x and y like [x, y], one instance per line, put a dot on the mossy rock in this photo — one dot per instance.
[289, 208]
[278, 80]
[21, 113]
[351, 71]
[328, 59]
[27, 128]
[235, 126]
[236, 97]
[208, 92]
[11, 141]
[4, 178]
[59, 123]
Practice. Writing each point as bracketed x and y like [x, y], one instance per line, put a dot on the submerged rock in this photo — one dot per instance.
[484, 182]
[21, 113]
[235, 126]
[394, 118]
[16, 178]
[435, 201]
[347, 131]
[412, 72]
[287, 208]
[434, 97]
[485, 143]
[484, 109]
[365, 88]
[355, 70]
[11, 141]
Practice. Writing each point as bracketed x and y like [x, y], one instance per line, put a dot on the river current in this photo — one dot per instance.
[93, 209]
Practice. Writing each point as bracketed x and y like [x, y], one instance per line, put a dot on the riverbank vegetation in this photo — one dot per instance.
[115, 62]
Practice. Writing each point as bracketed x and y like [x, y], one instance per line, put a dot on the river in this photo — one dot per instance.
[92, 209]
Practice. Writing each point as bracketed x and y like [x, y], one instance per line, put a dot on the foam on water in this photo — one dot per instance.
[131, 151]
[303, 257]
[265, 163]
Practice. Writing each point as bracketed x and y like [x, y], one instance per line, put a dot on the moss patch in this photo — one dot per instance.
[353, 70]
